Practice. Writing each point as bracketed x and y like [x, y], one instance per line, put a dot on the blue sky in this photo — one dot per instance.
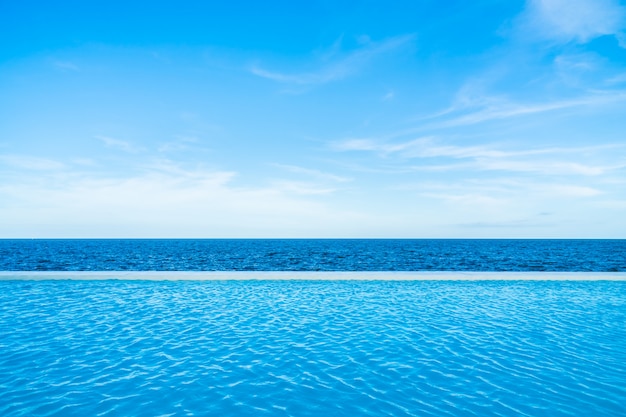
[410, 119]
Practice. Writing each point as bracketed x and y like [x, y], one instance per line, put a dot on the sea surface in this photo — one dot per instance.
[313, 255]
[312, 348]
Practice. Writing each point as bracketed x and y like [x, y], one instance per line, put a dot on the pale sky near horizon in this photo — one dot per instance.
[409, 119]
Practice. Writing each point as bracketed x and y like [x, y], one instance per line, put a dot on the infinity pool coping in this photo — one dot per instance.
[310, 275]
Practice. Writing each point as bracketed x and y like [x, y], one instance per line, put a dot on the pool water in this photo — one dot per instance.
[312, 348]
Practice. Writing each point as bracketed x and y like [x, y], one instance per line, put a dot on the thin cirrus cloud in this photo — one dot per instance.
[314, 173]
[301, 188]
[502, 190]
[544, 168]
[505, 112]
[183, 203]
[118, 144]
[422, 148]
[66, 66]
[181, 144]
[429, 147]
[463, 113]
[31, 163]
[616, 79]
[381, 147]
[539, 160]
[337, 66]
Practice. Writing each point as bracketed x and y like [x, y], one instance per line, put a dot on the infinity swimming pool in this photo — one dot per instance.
[308, 348]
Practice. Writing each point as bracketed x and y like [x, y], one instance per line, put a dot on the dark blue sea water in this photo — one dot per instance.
[313, 255]
[307, 348]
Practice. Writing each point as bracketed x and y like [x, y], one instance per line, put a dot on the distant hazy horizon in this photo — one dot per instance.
[276, 119]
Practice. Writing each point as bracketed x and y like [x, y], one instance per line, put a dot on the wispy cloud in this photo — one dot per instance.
[470, 199]
[551, 168]
[570, 190]
[389, 96]
[573, 21]
[313, 173]
[31, 162]
[182, 203]
[302, 188]
[180, 144]
[506, 189]
[66, 66]
[381, 147]
[617, 79]
[118, 144]
[430, 147]
[506, 202]
[507, 224]
[335, 67]
[86, 162]
[559, 161]
[426, 147]
[485, 110]
[544, 167]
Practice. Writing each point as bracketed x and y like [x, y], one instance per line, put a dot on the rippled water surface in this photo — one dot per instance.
[312, 255]
[305, 348]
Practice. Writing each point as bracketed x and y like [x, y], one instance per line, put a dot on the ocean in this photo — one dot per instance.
[309, 347]
[312, 255]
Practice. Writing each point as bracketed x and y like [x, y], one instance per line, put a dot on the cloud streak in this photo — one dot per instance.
[430, 147]
[338, 67]
[31, 163]
[488, 110]
[66, 66]
[119, 144]
[313, 173]
[436, 157]
[183, 203]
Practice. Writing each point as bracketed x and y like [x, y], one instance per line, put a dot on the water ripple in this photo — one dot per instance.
[312, 255]
[296, 348]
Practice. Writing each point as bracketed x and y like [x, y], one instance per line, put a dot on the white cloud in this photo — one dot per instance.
[486, 157]
[168, 200]
[459, 115]
[619, 205]
[313, 173]
[571, 190]
[301, 188]
[87, 162]
[504, 189]
[181, 144]
[470, 199]
[617, 79]
[66, 66]
[573, 20]
[119, 144]
[543, 167]
[508, 202]
[338, 67]
[31, 162]
[168, 203]
[529, 166]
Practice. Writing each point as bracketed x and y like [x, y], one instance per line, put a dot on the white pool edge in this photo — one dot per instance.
[306, 275]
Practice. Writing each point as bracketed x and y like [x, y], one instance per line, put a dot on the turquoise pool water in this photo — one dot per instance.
[312, 348]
